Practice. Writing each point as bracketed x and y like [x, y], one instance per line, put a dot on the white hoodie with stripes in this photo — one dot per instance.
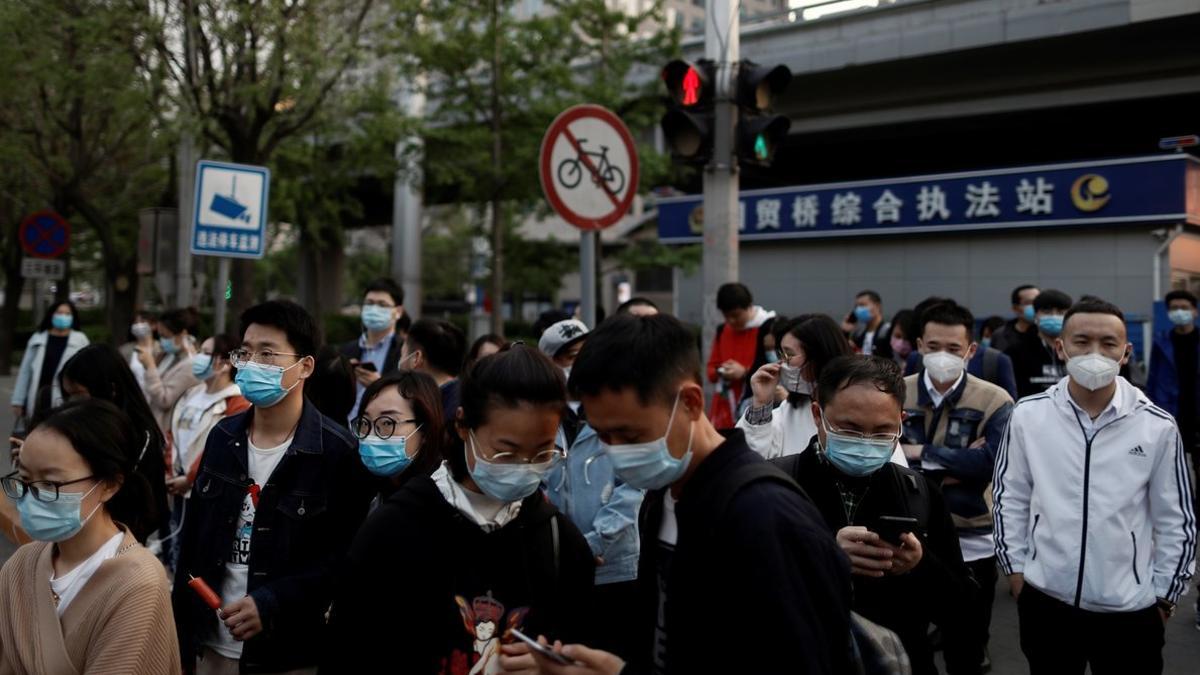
[1101, 518]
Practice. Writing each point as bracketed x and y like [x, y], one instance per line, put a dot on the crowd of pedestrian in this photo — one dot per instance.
[819, 495]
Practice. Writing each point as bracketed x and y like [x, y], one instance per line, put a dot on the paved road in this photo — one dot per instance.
[1183, 640]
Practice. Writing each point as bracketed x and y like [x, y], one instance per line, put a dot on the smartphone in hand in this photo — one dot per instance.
[890, 528]
[542, 649]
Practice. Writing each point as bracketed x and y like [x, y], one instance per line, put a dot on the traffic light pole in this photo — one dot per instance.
[721, 214]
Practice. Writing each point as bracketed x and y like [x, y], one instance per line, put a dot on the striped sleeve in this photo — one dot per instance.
[1173, 520]
[1012, 487]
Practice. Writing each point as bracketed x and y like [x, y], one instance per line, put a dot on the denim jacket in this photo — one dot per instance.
[307, 515]
[605, 509]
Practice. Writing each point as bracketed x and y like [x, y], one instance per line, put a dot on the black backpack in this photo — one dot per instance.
[873, 649]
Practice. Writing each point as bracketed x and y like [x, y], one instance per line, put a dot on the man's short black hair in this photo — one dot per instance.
[636, 302]
[651, 354]
[1180, 294]
[734, 296]
[847, 371]
[441, 344]
[1016, 294]
[875, 297]
[949, 314]
[302, 331]
[1052, 299]
[389, 286]
[1093, 305]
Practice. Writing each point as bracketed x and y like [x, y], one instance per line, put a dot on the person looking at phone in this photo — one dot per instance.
[733, 350]
[891, 522]
[738, 573]
[953, 426]
[377, 351]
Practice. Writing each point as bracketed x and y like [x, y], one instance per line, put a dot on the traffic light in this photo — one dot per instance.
[688, 124]
[760, 134]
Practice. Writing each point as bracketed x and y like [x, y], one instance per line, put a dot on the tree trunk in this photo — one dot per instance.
[497, 168]
[122, 290]
[14, 285]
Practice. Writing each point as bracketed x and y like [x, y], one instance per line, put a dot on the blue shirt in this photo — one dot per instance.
[371, 354]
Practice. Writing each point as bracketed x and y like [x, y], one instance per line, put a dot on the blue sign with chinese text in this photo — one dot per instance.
[1142, 189]
[230, 211]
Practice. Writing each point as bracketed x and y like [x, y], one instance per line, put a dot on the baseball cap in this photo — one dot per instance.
[561, 335]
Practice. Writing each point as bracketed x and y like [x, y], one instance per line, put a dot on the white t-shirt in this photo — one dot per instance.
[237, 570]
[191, 413]
[67, 586]
[139, 371]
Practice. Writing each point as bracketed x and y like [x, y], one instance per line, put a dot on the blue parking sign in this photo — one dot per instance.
[229, 217]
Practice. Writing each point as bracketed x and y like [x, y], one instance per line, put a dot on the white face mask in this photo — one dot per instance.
[793, 380]
[944, 367]
[1092, 371]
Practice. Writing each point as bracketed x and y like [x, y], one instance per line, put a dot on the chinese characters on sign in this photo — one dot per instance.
[1145, 188]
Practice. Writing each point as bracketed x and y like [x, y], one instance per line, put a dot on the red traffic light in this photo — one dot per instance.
[689, 84]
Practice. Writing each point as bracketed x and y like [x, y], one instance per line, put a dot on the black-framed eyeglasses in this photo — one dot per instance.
[384, 426]
[42, 490]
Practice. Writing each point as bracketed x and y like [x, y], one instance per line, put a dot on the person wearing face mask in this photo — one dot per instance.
[988, 363]
[461, 556]
[57, 340]
[278, 495]
[1094, 521]
[400, 432]
[902, 335]
[85, 596]
[1036, 363]
[194, 416]
[919, 578]
[953, 426]
[587, 490]
[377, 351]
[141, 336]
[806, 344]
[1023, 326]
[867, 327]
[726, 538]
[166, 384]
[437, 348]
[1174, 379]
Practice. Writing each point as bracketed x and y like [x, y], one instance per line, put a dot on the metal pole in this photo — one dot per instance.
[587, 278]
[219, 298]
[407, 208]
[720, 261]
[183, 246]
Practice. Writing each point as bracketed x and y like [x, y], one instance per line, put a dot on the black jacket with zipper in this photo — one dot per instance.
[424, 589]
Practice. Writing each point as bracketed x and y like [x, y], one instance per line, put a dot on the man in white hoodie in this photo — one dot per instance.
[1093, 512]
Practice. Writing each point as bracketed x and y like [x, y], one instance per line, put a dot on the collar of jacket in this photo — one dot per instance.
[308, 439]
[1132, 398]
[926, 401]
[74, 339]
[714, 467]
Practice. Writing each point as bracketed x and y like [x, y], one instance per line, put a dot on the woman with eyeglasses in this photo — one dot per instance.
[400, 431]
[805, 345]
[86, 596]
[459, 559]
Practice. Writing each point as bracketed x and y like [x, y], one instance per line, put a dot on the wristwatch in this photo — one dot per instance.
[1166, 606]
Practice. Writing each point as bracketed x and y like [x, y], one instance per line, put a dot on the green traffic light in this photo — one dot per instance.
[760, 148]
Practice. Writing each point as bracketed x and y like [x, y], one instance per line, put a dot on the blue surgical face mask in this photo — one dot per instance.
[54, 521]
[377, 318]
[1050, 324]
[202, 366]
[650, 466]
[772, 357]
[985, 343]
[1029, 313]
[506, 482]
[855, 456]
[1181, 317]
[168, 345]
[386, 457]
[262, 385]
[862, 313]
[62, 321]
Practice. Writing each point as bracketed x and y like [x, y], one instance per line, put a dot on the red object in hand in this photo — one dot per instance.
[206, 594]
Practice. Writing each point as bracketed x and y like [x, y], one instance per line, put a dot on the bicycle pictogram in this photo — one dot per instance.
[570, 170]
